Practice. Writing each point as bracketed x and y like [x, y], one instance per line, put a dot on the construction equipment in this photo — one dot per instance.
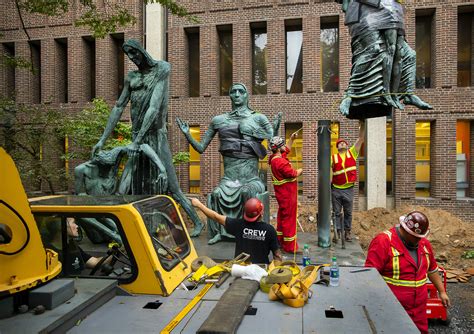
[145, 253]
[434, 305]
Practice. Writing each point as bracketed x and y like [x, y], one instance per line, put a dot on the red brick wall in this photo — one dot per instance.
[450, 103]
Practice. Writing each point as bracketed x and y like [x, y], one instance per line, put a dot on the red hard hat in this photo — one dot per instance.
[416, 224]
[340, 141]
[253, 209]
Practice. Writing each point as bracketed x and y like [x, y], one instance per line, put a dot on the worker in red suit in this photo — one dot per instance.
[284, 178]
[405, 259]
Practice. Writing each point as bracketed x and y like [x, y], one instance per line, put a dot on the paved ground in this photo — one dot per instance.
[352, 255]
[461, 313]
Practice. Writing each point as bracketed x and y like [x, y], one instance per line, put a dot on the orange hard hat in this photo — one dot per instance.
[416, 224]
[253, 209]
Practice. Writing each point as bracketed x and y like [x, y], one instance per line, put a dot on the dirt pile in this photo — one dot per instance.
[450, 236]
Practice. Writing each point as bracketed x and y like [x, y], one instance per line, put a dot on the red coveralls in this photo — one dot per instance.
[286, 193]
[407, 280]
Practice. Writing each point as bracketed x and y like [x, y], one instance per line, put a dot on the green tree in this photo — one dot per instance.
[101, 20]
[30, 134]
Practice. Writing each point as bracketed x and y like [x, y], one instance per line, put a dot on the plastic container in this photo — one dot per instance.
[306, 257]
[334, 273]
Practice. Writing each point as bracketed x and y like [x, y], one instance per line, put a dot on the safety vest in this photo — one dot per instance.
[396, 273]
[344, 172]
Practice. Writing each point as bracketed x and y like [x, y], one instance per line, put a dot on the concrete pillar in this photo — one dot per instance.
[155, 30]
[376, 164]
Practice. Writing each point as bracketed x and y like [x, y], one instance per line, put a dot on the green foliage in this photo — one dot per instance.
[468, 254]
[45, 7]
[17, 62]
[180, 158]
[31, 135]
[101, 21]
[85, 129]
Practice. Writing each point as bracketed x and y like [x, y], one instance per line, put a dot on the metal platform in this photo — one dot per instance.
[367, 305]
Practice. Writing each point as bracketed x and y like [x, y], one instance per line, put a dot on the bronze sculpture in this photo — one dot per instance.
[149, 169]
[241, 132]
[383, 64]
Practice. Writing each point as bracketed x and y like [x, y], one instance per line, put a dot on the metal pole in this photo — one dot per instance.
[324, 184]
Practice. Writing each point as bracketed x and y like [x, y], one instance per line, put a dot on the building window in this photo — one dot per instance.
[119, 57]
[294, 56]
[296, 154]
[89, 58]
[194, 163]
[465, 48]
[389, 157]
[329, 41]
[61, 69]
[8, 51]
[259, 58]
[193, 62]
[35, 48]
[423, 157]
[225, 58]
[463, 158]
[424, 23]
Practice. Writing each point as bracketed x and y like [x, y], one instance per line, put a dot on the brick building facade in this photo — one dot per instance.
[451, 102]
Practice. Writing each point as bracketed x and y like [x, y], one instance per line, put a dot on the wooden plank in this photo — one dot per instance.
[231, 307]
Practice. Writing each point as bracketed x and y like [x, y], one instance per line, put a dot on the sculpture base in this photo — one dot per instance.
[369, 110]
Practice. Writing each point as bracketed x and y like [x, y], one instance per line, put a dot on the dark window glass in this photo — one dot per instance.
[225, 60]
[89, 53]
[465, 52]
[423, 51]
[294, 58]
[193, 66]
[329, 40]
[61, 69]
[35, 47]
[118, 40]
[259, 60]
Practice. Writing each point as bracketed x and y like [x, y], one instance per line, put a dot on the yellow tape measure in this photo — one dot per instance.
[173, 323]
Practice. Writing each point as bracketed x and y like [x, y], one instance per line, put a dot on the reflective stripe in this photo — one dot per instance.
[427, 254]
[389, 234]
[289, 238]
[277, 182]
[335, 158]
[395, 264]
[400, 282]
[342, 171]
[279, 233]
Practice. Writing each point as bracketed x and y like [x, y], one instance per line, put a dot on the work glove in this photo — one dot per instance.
[251, 272]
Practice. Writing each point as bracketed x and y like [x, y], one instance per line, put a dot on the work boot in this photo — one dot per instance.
[348, 235]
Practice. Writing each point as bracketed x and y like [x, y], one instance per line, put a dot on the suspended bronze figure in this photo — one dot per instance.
[241, 132]
[149, 169]
[383, 64]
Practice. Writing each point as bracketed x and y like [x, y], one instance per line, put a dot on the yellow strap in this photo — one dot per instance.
[173, 323]
[427, 254]
[399, 282]
[342, 171]
[296, 292]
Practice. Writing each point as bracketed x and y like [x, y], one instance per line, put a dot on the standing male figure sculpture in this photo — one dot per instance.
[147, 91]
[241, 132]
[383, 64]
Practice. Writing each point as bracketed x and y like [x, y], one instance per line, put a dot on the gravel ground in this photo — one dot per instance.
[461, 311]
